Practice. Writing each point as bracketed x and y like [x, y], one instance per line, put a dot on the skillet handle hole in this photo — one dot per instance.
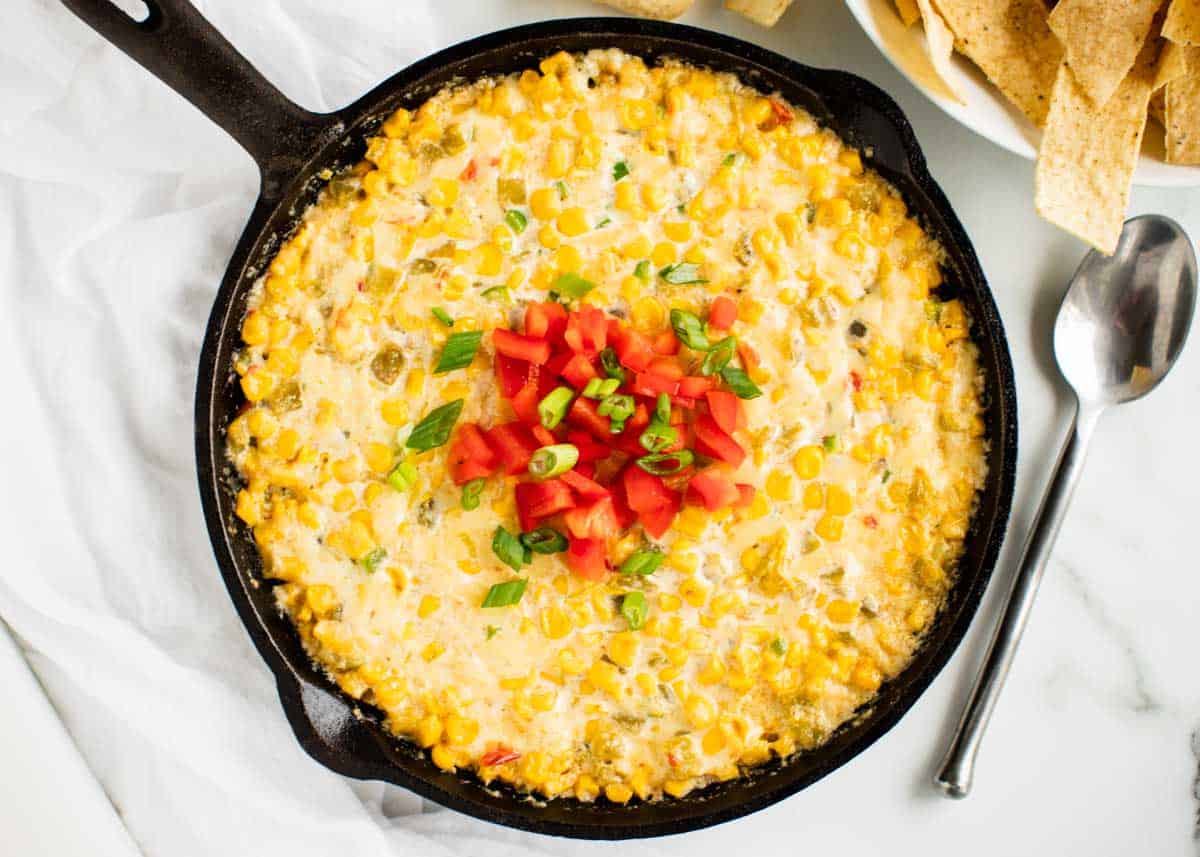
[137, 10]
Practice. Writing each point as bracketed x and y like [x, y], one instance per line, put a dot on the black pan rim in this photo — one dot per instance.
[300, 699]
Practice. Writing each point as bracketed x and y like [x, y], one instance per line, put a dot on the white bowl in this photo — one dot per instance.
[986, 112]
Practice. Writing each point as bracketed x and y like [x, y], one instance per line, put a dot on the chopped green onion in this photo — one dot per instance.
[633, 608]
[516, 220]
[554, 406]
[434, 430]
[689, 330]
[496, 293]
[642, 270]
[561, 187]
[459, 351]
[617, 408]
[572, 285]
[830, 443]
[662, 408]
[887, 474]
[779, 647]
[740, 383]
[611, 364]
[666, 463]
[544, 540]
[598, 388]
[603, 222]
[658, 436]
[403, 476]
[371, 561]
[616, 426]
[504, 594]
[719, 356]
[491, 631]
[551, 461]
[729, 160]
[682, 274]
[620, 170]
[508, 548]
[642, 563]
[442, 316]
[471, 492]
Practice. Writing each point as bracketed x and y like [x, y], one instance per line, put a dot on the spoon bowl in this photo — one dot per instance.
[1119, 330]
[1124, 319]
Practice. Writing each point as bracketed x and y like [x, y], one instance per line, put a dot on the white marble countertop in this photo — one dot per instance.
[1095, 746]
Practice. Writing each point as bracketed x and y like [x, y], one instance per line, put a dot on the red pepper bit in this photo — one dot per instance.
[498, 756]
[783, 114]
[470, 171]
[856, 381]
[870, 521]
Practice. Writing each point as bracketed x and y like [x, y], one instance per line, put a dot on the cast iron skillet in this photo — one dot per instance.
[291, 145]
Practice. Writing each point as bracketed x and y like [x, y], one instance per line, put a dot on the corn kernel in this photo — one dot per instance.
[779, 485]
[428, 606]
[838, 500]
[544, 203]
[572, 222]
[830, 527]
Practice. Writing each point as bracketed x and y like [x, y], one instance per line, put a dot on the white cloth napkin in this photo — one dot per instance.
[119, 207]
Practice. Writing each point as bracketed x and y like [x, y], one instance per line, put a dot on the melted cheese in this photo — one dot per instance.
[767, 626]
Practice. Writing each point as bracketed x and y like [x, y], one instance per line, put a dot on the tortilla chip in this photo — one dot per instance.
[939, 42]
[1181, 113]
[1183, 22]
[765, 12]
[1158, 107]
[1172, 64]
[664, 9]
[1102, 40]
[1088, 154]
[1011, 42]
[908, 11]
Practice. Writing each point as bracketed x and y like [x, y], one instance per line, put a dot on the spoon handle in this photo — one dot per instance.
[958, 766]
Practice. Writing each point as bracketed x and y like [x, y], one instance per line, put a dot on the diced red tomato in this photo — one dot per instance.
[584, 415]
[712, 441]
[666, 343]
[525, 402]
[715, 487]
[543, 436]
[625, 515]
[513, 444]
[633, 349]
[546, 320]
[644, 491]
[722, 314]
[649, 384]
[511, 374]
[745, 495]
[596, 520]
[640, 418]
[666, 367]
[587, 330]
[694, 386]
[589, 449]
[578, 371]
[469, 455]
[657, 521]
[586, 558]
[498, 756]
[521, 347]
[726, 410]
[587, 488]
[538, 500]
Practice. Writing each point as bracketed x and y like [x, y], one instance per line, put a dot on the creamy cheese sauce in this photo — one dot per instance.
[768, 625]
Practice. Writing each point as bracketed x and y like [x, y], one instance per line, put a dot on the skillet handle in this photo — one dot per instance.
[181, 48]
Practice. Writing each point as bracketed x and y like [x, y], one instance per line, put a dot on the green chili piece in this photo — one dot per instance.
[642, 563]
[666, 463]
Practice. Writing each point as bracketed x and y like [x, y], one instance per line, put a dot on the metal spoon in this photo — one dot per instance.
[1119, 330]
